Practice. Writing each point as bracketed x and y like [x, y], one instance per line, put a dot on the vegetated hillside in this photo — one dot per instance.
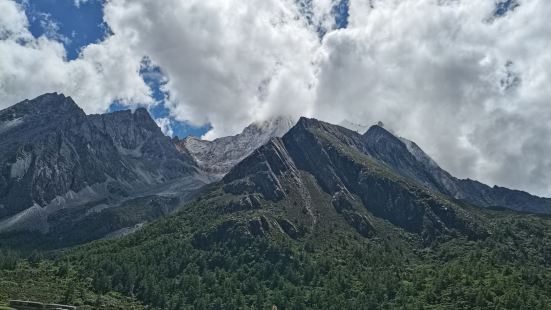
[310, 221]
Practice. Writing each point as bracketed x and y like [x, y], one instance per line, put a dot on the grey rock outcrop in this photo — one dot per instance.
[218, 156]
[337, 160]
[411, 161]
[54, 156]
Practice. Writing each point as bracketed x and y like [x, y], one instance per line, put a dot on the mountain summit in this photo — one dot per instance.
[408, 159]
[218, 156]
[53, 156]
[63, 172]
[322, 168]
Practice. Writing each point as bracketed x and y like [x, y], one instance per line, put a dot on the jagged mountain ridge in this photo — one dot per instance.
[410, 160]
[54, 156]
[218, 156]
[137, 137]
[317, 164]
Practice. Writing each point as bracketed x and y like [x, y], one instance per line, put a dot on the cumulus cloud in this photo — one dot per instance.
[468, 86]
[29, 66]
[226, 62]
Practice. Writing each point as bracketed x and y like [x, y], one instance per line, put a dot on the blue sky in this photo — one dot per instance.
[341, 14]
[79, 26]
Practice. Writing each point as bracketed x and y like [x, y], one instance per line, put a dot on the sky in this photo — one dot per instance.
[467, 80]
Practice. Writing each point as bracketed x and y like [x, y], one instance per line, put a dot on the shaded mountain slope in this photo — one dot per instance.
[53, 157]
[328, 153]
[409, 160]
[45, 154]
[138, 138]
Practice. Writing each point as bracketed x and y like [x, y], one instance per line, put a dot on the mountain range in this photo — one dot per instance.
[65, 173]
[218, 156]
[297, 215]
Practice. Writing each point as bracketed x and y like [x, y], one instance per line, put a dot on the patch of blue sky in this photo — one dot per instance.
[504, 6]
[62, 20]
[79, 26]
[340, 11]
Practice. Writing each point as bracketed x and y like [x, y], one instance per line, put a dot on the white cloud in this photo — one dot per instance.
[226, 62]
[469, 88]
[79, 2]
[30, 66]
[12, 22]
[165, 124]
[51, 28]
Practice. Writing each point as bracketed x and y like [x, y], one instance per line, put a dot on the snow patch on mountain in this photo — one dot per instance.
[218, 156]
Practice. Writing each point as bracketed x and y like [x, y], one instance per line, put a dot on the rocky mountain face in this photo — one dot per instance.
[66, 173]
[218, 156]
[140, 141]
[411, 161]
[53, 156]
[318, 170]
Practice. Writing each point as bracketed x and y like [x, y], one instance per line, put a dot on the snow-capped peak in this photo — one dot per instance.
[218, 156]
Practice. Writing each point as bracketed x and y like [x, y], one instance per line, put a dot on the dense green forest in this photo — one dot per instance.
[510, 269]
